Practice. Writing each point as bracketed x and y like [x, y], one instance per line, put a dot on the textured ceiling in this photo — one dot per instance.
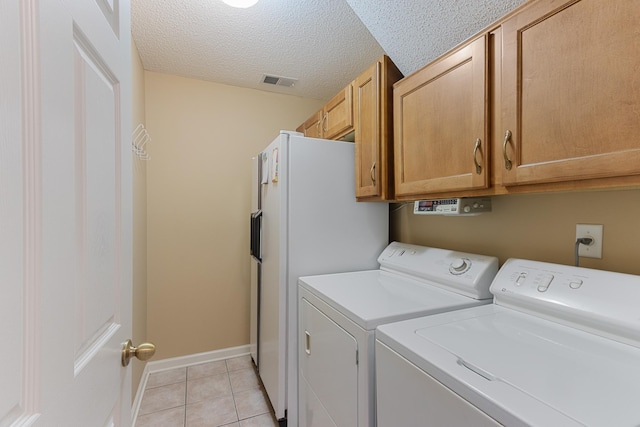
[414, 32]
[322, 43]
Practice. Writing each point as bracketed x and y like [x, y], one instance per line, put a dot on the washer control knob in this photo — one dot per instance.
[522, 277]
[467, 209]
[575, 284]
[544, 281]
[459, 266]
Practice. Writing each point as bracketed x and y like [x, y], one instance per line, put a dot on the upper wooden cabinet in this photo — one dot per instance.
[551, 91]
[373, 116]
[571, 92]
[365, 108]
[334, 120]
[440, 125]
[311, 127]
[337, 119]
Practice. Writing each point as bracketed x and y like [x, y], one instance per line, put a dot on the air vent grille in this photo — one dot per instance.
[278, 80]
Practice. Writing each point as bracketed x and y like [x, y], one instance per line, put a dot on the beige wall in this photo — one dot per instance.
[198, 196]
[198, 193]
[139, 221]
[540, 227]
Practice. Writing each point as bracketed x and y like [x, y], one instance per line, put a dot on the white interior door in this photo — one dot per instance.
[65, 212]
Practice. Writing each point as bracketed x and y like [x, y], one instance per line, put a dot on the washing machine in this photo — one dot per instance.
[560, 346]
[338, 314]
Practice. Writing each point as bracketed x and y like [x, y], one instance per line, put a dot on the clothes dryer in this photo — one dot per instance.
[338, 314]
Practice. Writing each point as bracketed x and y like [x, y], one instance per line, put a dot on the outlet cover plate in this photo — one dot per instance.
[595, 232]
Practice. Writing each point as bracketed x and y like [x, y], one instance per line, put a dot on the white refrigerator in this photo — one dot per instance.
[305, 220]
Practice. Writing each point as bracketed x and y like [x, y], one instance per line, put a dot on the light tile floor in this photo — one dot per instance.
[221, 393]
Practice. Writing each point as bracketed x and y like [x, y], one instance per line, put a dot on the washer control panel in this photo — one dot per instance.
[542, 280]
[602, 300]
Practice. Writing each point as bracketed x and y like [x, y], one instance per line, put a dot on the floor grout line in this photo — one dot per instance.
[233, 397]
[186, 392]
[239, 366]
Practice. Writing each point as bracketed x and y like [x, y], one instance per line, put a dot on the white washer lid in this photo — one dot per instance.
[371, 298]
[522, 369]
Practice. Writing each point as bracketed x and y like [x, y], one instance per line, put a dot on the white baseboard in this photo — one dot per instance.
[180, 362]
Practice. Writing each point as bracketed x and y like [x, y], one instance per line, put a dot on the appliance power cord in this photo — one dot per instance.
[581, 240]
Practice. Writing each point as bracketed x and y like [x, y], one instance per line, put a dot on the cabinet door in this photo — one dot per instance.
[311, 127]
[366, 106]
[571, 91]
[338, 115]
[441, 137]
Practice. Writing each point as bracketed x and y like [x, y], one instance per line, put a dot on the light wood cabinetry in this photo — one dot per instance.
[571, 91]
[337, 119]
[561, 76]
[365, 108]
[334, 120]
[373, 116]
[440, 125]
[311, 127]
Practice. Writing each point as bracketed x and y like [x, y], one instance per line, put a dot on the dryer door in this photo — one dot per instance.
[328, 371]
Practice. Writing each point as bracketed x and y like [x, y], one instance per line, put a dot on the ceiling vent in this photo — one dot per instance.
[278, 80]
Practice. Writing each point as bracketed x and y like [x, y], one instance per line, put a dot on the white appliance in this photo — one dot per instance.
[339, 313]
[305, 221]
[560, 346]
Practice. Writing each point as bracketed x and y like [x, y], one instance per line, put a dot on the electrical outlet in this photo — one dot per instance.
[594, 231]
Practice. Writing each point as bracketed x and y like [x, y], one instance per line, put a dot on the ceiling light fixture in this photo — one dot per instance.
[241, 3]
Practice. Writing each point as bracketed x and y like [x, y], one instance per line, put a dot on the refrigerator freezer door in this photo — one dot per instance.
[273, 306]
[256, 257]
[254, 331]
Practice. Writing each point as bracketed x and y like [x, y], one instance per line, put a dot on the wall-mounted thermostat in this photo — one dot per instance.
[461, 206]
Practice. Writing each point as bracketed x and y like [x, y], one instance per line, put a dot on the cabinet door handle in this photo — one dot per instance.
[325, 121]
[475, 159]
[307, 342]
[371, 172]
[507, 161]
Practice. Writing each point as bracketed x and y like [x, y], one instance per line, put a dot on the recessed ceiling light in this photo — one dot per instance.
[241, 3]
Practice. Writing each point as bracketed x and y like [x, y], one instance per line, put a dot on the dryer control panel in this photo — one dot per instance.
[464, 273]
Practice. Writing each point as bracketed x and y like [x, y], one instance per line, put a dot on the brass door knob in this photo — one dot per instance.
[143, 352]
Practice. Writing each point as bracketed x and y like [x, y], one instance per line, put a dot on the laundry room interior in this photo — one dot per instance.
[192, 196]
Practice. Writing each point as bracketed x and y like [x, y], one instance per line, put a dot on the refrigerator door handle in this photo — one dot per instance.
[256, 235]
